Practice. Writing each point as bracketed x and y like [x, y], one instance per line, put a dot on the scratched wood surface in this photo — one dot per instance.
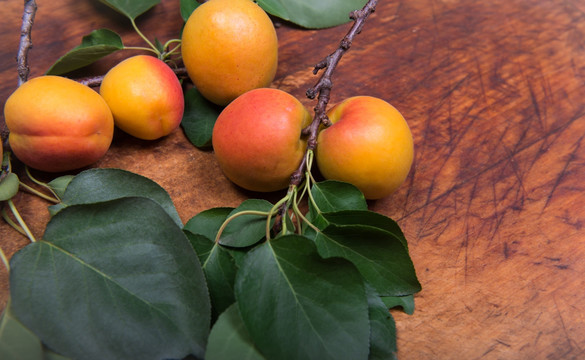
[494, 92]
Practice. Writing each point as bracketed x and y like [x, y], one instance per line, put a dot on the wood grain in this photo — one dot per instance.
[494, 205]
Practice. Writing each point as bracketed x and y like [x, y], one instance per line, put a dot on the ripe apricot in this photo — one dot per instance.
[257, 139]
[229, 47]
[57, 124]
[145, 97]
[369, 145]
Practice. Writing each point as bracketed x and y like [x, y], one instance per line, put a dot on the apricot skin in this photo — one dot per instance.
[57, 124]
[145, 96]
[257, 139]
[369, 145]
[229, 47]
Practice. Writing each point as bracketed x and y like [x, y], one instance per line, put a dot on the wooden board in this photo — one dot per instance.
[494, 205]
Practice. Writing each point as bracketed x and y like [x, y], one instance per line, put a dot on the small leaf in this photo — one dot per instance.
[297, 305]
[103, 284]
[16, 341]
[246, 230]
[405, 302]
[187, 7]
[219, 268]
[9, 186]
[333, 195]
[131, 8]
[94, 46]
[229, 339]
[310, 13]
[58, 185]
[97, 185]
[383, 328]
[370, 218]
[208, 222]
[199, 118]
[379, 256]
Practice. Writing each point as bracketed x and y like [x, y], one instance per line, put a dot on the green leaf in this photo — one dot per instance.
[379, 256]
[113, 280]
[94, 46]
[297, 305]
[333, 195]
[131, 8]
[58, 185]
[383, 328]
[229, 339]
[16, 341]
[312, 14]
[187, 7]
[199, 118]
[9, 186]
[405, 302]
[97, 185]
[366, 217]
[246, 230]
[219, 268]
[208, 222]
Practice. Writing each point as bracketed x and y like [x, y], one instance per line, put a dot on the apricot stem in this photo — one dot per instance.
[5, 260]
[145, 38]
[21, 221]
[274, 210]
[54, 199]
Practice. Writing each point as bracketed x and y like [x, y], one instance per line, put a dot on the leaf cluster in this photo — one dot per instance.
[118, 276]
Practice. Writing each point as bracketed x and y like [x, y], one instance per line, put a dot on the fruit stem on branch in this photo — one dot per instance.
[323, 87]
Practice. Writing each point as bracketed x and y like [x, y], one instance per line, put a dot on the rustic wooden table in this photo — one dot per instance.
[494, 205]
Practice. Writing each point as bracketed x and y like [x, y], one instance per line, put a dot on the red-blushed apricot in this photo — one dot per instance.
[257, 139]
[369, 145]
[57, 124]
[229, 47]
[145, 97]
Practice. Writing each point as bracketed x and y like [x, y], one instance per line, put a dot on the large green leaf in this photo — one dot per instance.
[94, 46]
[380, 257]
[383, 329]
[131, 8]
[199, 118]
[16, 341]
[229, 339]
[219, 268]
[296, 305]
[405, 302]
[97, 185]
[113, 280]
[311, 13]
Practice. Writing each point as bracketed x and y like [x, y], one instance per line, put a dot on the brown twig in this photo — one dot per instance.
[95, 81]
[324, 84]
[24, 46]
[28, 18]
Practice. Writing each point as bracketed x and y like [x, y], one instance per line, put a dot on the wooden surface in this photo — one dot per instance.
[494, 92]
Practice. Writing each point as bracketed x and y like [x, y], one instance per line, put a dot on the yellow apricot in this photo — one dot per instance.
[229, 47]
[369, 145]
[57, 124]
[257, 139]
[145, 97]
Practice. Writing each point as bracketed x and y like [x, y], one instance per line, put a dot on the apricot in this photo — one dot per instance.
[145, 97]
[57, 124]
[229, 47]
[257, 139]
[369, 145]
